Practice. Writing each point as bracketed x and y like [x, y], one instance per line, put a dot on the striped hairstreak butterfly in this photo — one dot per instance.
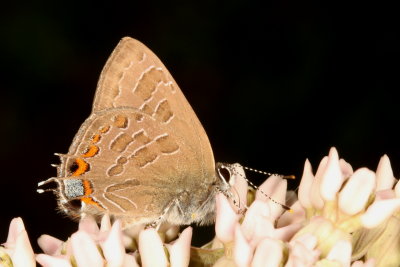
[142, 156]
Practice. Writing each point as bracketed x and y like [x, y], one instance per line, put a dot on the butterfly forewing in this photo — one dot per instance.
[135, 77]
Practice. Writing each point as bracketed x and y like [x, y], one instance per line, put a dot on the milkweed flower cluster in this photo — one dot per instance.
[339, 217]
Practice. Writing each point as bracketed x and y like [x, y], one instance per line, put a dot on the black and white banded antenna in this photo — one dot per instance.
[257, 188]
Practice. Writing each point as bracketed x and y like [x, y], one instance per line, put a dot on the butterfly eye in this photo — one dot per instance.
[224, 173]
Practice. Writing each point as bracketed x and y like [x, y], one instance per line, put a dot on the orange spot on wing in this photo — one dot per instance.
[90, 201]
[87, 187]
[82, 167]
[95, 138]
[91, 151]
[105, 129]
[120, 121]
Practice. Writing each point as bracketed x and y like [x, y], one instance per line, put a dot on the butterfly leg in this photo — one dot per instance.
[157, 222]
[171, 213]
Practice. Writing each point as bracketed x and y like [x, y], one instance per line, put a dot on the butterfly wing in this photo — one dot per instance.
[143, 147]
[135, 77]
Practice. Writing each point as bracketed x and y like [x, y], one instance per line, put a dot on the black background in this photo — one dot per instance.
[272, 84]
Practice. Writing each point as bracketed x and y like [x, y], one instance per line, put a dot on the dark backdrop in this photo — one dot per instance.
[272, 85]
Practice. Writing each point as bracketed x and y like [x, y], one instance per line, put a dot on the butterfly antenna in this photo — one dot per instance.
[270, 174]
[262, 192]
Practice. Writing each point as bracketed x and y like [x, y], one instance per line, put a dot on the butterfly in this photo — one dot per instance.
[142, 156]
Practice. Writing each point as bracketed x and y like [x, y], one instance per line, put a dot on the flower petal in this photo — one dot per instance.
[50, 245]
[297, 216]
[273, 192]
[385, 194]
[302, 251]
[113, 249]
[315, 193]
[268, 253]
[16, 227]
[355, 194]
[50, 261]
[130, 261]
[226, 219]
[85, 250]
[89, 225]
[105, 224]
[325, 231]
[242, 251]
[151, 249]
[305, 185]
[340, 252]
[332, 178]
[23, 255]
[180, 250]
[346, 168]
[257, 223]
[287, 232]
[379, 211]
[384, 174]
